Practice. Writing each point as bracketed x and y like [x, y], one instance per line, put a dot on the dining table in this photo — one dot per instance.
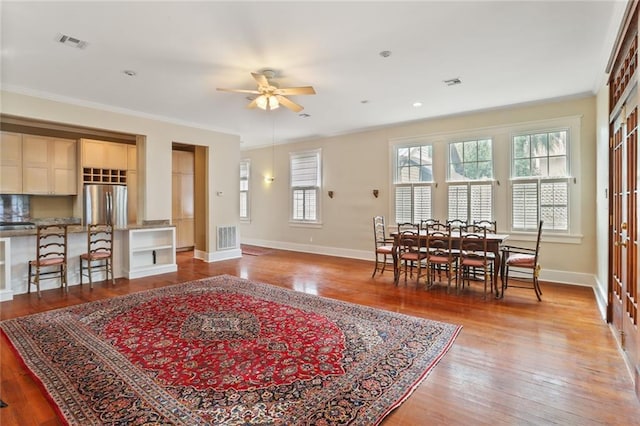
[494, 244]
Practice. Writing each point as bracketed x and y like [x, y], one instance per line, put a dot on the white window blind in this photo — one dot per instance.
[305, 185]
[244, 189]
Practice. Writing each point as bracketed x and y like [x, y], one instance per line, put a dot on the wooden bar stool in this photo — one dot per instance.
[51, 256]
[99, 255]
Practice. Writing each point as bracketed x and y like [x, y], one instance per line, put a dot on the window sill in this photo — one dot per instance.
[547, 237]
[298, 224]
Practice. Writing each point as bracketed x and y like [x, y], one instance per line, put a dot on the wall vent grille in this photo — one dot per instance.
[227, 237]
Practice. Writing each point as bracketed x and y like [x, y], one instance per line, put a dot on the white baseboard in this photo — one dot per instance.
[217, 256]
[601, 297]
[6, 295]
[549, 275]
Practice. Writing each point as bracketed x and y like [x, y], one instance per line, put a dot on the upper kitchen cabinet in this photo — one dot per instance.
[49, 166]
[10, 163]
[104, 155]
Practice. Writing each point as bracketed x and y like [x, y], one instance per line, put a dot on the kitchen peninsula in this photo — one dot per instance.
[139, 250]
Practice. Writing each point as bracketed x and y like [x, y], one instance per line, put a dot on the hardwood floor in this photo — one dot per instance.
[517, 361]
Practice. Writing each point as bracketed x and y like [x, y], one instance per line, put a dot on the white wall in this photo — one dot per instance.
[355, 164]
[224, 153]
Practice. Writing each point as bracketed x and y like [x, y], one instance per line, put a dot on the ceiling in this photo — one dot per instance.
[504, 53]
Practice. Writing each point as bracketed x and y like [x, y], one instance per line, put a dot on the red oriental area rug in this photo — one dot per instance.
[224, 350]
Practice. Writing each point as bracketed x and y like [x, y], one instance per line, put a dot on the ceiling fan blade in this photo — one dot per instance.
[260, 79]
[306, 90]
[253, 103]
[289, 103]
[255, 92]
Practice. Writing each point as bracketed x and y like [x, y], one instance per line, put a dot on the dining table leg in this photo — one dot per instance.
[396, 263]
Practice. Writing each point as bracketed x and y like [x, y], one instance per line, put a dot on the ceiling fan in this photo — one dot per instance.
[270, 96]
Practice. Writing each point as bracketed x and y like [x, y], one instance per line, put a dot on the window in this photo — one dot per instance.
[413, 180]
[470, 174]
[244, 189]
[305, 186]
[540, 180]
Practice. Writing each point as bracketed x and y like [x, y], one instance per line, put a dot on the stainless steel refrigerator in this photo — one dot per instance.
[106, 204]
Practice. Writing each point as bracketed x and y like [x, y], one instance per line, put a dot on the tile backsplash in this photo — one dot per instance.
[15, 208]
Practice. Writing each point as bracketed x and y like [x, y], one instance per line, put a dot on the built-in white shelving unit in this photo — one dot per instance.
[151, 251]
[6, 292]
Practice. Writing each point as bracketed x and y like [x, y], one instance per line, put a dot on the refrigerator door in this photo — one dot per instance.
[106, 204]
[118, 206]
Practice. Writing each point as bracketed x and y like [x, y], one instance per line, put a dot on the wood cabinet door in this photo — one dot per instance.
[115, 156]
[104, 155]
[132, 157]
[35, 164]
[10, 163]
[49, 166]
[64, 167]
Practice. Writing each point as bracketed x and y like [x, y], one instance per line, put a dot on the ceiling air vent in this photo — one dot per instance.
[71, 41]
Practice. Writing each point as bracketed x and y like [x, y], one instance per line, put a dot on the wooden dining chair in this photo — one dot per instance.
[99, 254]
[409, 254]
[440, 257]
[524, 264]
[383, 244]
[51, 256]
[490, 225]
[407, 226]
[474, 260]
[425, 223]
[458, 223]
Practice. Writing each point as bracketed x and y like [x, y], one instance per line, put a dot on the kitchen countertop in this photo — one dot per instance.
[72, 229]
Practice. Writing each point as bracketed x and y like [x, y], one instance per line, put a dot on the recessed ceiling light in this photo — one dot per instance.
[130, 73]
[417, 104]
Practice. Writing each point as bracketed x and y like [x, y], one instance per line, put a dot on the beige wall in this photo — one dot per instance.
[224, 153]
[355, 164]
[602, 201]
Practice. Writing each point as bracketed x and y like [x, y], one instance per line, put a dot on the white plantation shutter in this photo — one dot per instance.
[403, 204]
[554, 202]
[305, 185]
[544, 199]
[524, 198]
[413, 203]
[421, 203]
[458, 202]
[481, 202]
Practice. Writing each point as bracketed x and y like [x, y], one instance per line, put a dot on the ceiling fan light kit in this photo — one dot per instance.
[270, 96]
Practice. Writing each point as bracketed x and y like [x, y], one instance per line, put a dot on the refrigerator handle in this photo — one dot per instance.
[109, 208]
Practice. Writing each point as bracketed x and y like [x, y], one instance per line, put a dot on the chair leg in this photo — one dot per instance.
[90, 273]
[113, 280]
[29, 280]
[63, 271]
[38, 281]
[375, 268]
